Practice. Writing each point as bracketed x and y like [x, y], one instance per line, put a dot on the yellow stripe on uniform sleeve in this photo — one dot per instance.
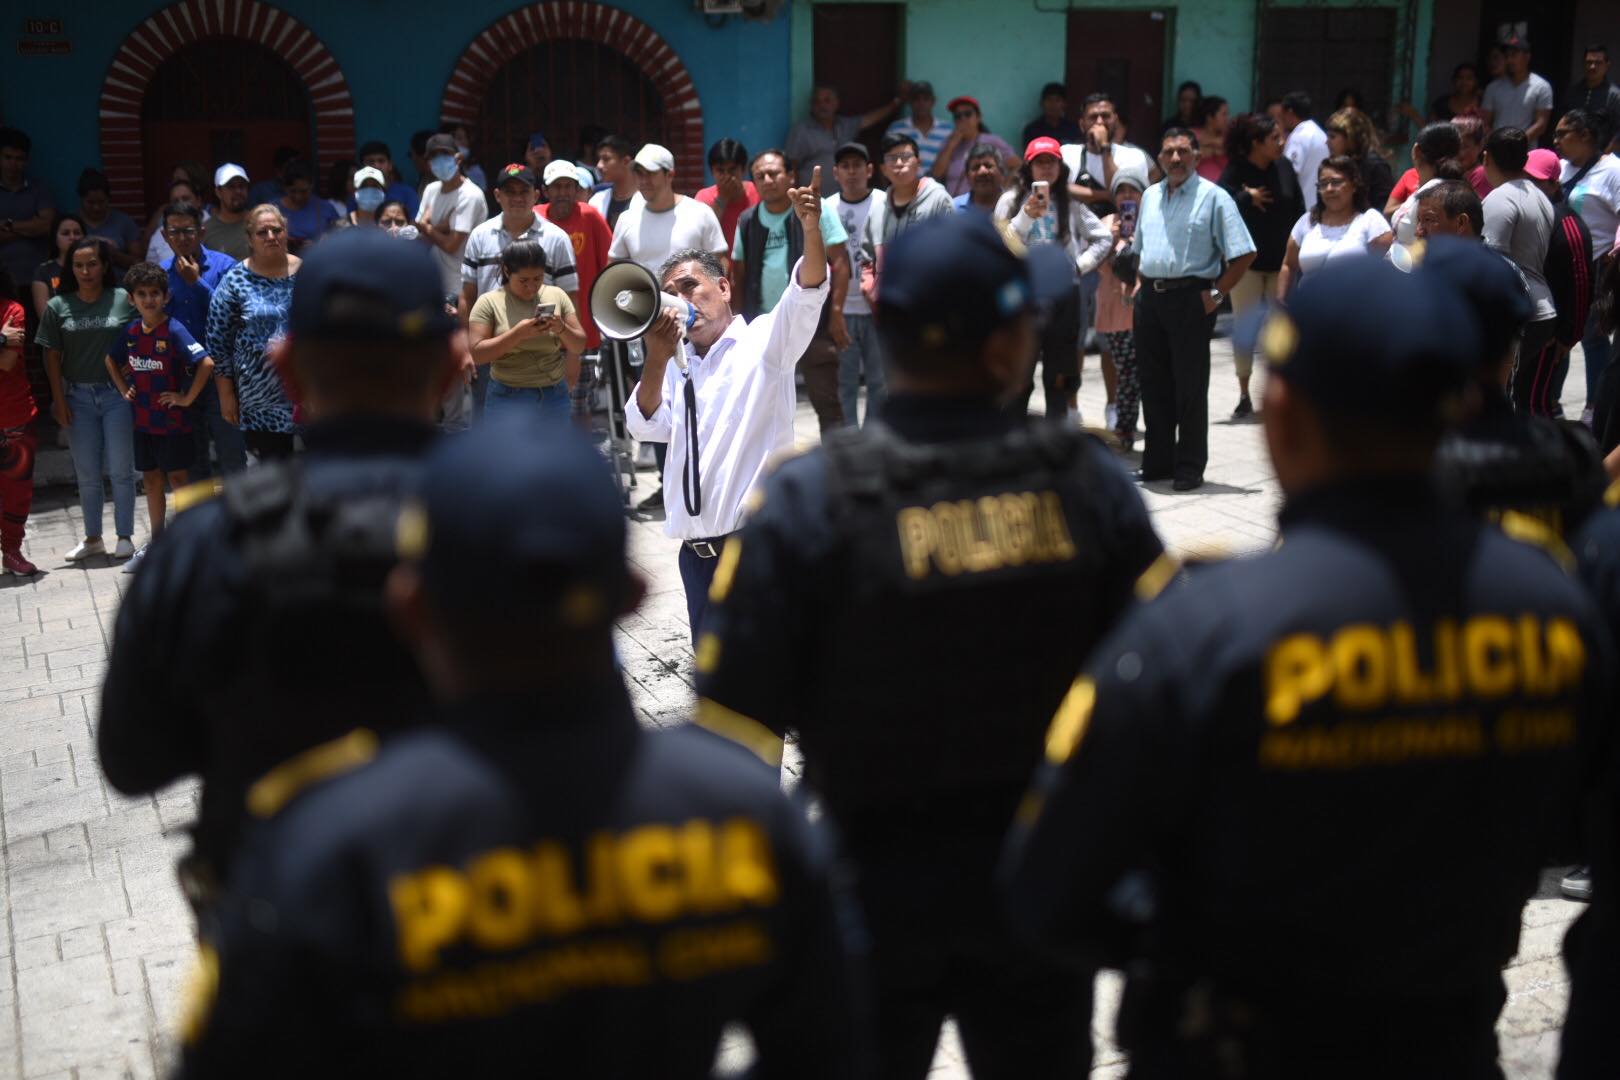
[1156, 577]
[1072, 719]
[725, 572]
[1611, 497]
[201, 992]
[745, 731]
[194, 495]
[276, 788]
[1530, 530]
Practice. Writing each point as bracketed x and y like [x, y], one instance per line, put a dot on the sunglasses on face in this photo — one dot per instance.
[268, 231]
[1329, 185]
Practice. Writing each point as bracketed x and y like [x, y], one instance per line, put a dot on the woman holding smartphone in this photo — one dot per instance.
[521, 330]
[1039, 210]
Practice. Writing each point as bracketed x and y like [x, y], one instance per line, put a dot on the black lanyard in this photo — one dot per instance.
[691, 485]
[1569, 185]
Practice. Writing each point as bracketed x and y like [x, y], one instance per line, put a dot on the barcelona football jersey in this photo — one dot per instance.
[158, 361]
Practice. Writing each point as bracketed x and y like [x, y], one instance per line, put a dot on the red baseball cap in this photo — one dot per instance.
[951, 105]
[1043, 145]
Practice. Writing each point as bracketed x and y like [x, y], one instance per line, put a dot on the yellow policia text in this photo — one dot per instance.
[505, 898]
[1366, 667]
[497, 987]
[994, 532]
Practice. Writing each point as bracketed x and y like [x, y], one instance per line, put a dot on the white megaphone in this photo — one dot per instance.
[626, 299]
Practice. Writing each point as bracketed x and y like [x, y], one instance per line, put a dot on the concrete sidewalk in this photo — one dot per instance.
[97, 941]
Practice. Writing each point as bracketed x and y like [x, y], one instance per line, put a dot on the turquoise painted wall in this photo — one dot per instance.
[1003, 51]
[396, 55]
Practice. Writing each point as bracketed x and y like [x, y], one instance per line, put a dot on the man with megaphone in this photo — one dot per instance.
[726, 403]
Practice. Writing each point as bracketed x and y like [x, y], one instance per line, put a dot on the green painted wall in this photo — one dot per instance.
[1012, 47]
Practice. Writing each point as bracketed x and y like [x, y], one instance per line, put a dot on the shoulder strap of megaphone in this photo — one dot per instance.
[691, 482]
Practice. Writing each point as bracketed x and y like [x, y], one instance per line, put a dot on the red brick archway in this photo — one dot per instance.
[179, 25]
[548, 20]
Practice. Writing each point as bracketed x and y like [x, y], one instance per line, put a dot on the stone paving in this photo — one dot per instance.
[97, 942]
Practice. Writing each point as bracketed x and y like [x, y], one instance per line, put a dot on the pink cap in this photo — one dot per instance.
[1542, 165]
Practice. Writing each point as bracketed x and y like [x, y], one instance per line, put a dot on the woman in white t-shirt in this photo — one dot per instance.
[1338, 226]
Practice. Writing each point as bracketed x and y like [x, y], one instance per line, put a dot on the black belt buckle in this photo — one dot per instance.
[1160, 285]
[703, 549]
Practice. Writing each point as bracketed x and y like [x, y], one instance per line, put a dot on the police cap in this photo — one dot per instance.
[1360, 338]
[365, 285]
[1493, 287]
[519, 518]
[955, 278]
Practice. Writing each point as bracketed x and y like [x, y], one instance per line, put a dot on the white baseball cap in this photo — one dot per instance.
[370, 172]
[560, 170]
[228, 172]
[586, 179]
[655, 158]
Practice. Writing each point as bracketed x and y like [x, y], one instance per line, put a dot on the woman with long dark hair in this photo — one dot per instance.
[1263, 184]
[66, 231]
[1339, 225]
[80, 324]
[1039, 210]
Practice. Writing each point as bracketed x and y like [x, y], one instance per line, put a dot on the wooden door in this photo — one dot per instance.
[219, 100]
[856, 50]
[1121, 52]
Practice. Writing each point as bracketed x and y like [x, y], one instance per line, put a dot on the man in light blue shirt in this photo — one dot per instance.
[1193, 247]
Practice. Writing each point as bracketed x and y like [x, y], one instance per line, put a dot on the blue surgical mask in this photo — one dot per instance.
[443, 166]
[369, 198]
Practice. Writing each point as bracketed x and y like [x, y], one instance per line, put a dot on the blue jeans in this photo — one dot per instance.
[102, 436]
[550, 402]
[210, 426]
[1596, 345]
[863, 357]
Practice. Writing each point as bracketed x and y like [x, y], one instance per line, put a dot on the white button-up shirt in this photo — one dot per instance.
[745, 408]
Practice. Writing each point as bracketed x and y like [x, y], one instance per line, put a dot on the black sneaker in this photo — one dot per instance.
[1577, 884]
[1244, 410]
[655, 501]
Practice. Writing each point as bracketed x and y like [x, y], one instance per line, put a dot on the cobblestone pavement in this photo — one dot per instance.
[97, 942]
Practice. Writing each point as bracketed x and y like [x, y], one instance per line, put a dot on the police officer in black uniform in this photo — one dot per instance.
[1543, 472]
[254, 630]
[538, 886]
[913, 600]
[1281, 745]
[1591, 1040]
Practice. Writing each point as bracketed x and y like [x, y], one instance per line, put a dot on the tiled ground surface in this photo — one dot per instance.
[97, 939]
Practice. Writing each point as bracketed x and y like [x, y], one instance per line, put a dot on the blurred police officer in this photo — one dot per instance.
[1398, 690]
[1543, 474]
[255, 630]
[913, 599]
[539, 887]
[1591, 1039]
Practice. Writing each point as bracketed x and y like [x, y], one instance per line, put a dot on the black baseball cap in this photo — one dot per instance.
[441, 144]
[957, 278]
[540, 539]
[852, 148]
[1360, 338]
[365, 285]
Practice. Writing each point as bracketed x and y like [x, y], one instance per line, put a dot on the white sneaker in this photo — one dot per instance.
[135, 560]
[86, 549]
[1111, 415]
[125, 548]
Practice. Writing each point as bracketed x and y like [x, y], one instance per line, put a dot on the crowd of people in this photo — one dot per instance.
[1232, 209]
[402, 364]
